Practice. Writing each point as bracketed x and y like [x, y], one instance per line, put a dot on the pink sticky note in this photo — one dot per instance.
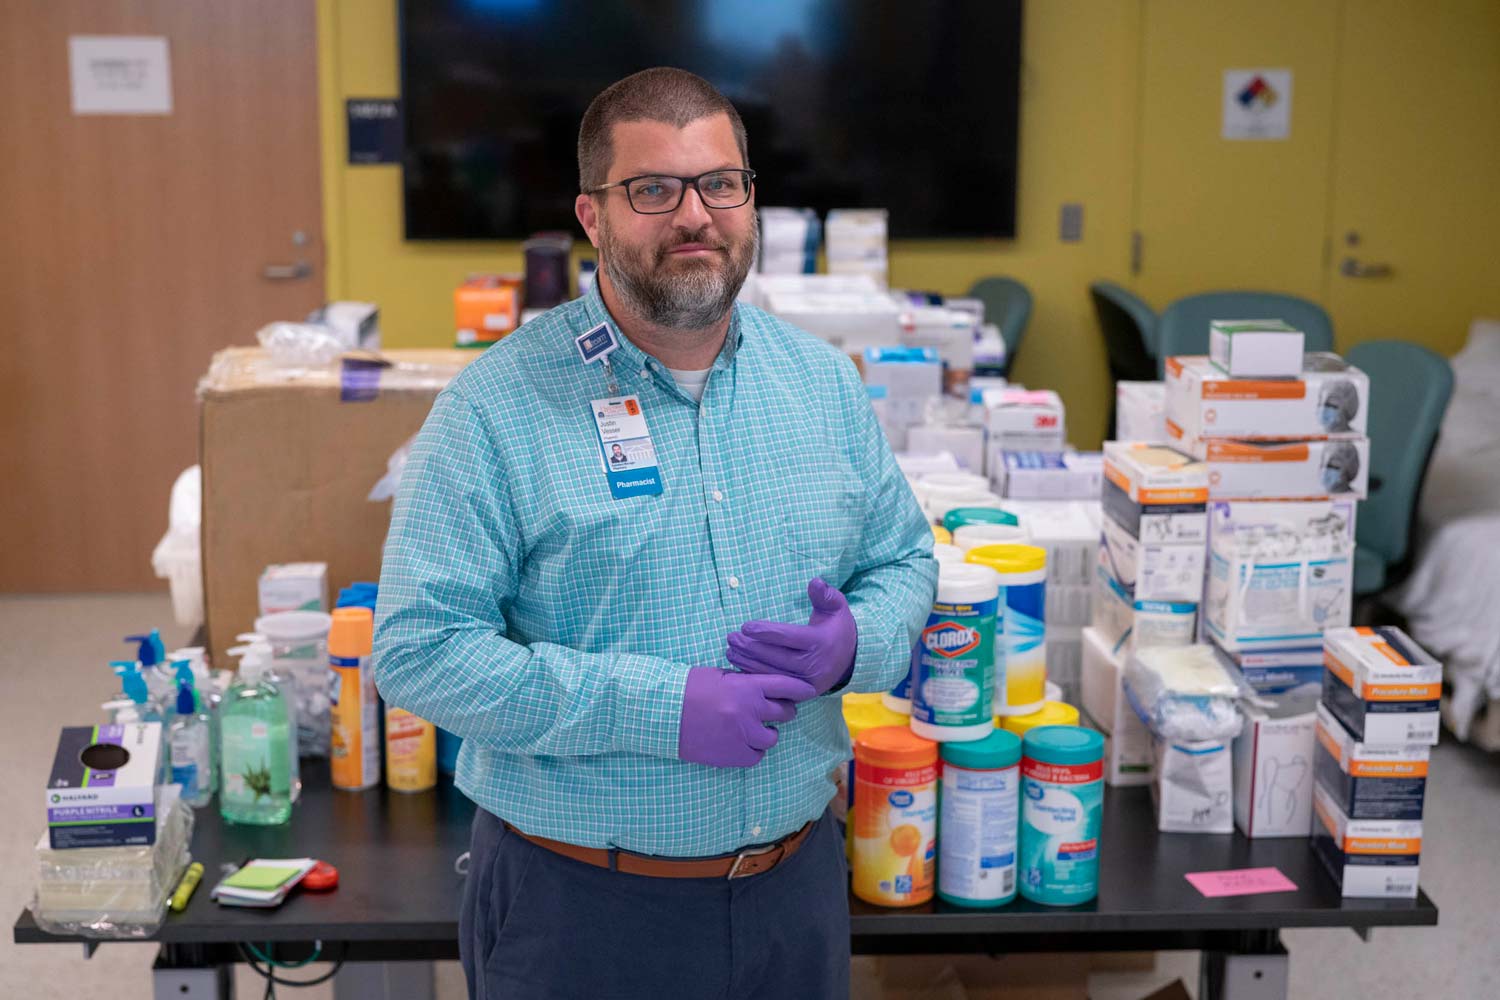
[1240, 882]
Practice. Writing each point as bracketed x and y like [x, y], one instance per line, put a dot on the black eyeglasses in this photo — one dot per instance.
[659, 194]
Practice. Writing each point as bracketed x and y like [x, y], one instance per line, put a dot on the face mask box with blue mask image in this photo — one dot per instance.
[1329, 397]
[1370, 781]
[1280, 573]
[102, 792]
[1381, 685]
[1283, 470]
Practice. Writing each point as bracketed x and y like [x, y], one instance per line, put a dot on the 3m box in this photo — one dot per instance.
[1277, 671]
[1381, 685]
[1273, 770]
[1329, 397]
[1368, 858]
[1286, 470]
[1379, 781]
[294, 587]
[1255, 348]
[1024, 420]
[102, 792]
[1127, 743]
[1279, 573]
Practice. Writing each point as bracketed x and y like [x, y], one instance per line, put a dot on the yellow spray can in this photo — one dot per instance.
[410, 751]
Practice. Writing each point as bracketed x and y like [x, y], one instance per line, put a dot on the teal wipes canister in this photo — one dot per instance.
[979, 804]
[952, 690]
[1062, 807]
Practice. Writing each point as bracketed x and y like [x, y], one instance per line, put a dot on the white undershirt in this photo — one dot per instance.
[691, 382]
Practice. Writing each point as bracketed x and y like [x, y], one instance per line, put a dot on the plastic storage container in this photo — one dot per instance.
[953, 692]
[979, 804]
[960, 517]
[1021, 659]
[895, 816]
[1062, 807]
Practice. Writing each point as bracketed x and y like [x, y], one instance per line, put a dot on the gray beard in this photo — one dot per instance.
[699, 295]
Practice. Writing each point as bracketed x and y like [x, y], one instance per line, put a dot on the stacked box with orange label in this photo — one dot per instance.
[486, 308]
[1377, 721]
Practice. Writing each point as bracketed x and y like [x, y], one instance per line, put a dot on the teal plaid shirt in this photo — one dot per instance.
[552, 627]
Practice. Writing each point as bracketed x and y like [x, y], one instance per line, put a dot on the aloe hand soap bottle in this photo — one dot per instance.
[255, 773]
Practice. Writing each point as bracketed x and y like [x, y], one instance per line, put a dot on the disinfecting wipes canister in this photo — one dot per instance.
[979, 807]
[953, 686]
[1062, 806]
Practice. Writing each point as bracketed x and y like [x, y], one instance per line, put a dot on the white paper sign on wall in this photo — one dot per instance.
[1257, 104]
[120, 75]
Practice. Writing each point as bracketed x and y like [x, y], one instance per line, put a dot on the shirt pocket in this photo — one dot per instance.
[823, 517]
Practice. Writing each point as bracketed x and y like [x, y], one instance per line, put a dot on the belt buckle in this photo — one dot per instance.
[749, 852]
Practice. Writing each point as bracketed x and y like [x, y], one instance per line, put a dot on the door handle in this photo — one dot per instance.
[1351, 268]
[287, 272]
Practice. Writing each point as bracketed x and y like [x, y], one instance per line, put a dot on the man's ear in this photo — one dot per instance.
[588, 217]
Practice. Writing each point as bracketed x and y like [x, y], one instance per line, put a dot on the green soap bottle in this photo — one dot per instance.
[255, 774]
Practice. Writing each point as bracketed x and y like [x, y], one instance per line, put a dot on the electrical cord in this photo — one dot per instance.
[253, 957]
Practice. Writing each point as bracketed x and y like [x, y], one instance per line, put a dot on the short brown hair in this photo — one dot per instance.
[663, 94]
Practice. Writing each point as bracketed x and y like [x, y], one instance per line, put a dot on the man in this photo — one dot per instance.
[646, 665]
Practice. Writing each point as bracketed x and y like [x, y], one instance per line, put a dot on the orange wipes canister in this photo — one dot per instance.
[895, 816]
[355, 705]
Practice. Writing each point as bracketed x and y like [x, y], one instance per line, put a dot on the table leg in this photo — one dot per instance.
[1257, 969]
[384, 981]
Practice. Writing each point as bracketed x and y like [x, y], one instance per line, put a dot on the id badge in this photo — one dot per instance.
[629, 457]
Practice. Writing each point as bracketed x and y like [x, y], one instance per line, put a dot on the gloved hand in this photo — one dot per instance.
[726, 716]
[820, 652]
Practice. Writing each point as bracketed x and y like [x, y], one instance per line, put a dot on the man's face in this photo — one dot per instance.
[683, 269]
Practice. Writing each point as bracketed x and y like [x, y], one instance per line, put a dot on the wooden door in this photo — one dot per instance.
[1415, 221]
[133, 248]
[1214, 213]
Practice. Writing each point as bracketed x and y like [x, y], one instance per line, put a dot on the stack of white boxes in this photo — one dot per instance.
[855, 241]
[1019, 419]
[902, 382]
[1282, 436]
[1376, 724]
[1069, 532]
[1147, 582]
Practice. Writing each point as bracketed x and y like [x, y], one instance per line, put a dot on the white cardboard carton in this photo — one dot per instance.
[1330, 397]
[1127, 743]
[1255, 348]
[1274, 758]
[1338, 465]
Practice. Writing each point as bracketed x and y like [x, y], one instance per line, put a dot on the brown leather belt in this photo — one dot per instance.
[750, 861]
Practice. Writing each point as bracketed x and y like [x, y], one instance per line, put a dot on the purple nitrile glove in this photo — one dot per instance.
[726, 716]
[820, 652]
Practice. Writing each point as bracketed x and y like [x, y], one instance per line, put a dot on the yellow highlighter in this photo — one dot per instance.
[184, 890]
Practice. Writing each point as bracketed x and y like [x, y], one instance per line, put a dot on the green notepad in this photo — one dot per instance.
[263, 878]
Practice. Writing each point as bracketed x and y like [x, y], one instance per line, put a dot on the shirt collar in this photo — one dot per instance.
[629, 357]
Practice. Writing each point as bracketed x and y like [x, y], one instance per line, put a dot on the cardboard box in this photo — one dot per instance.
[1140, 411]
[1277, 671]
[294, 587]
[1380, 781]
[102, 790]
[1149, 570]
[1023, 420]
[1368, 858]
[1127, 743]
[1049, 475]
[486, 307]
[1381, 685]
[1273, 770]
[901, 381]
[1330, 397]
[1336, 466]
[288, 463]
[849, 320]
[973, 977]
[1069, 531]
[1255, 348]
[1127, 622]
[965, 443]
[1280, 573]
[1192, 786]
[1155, 493]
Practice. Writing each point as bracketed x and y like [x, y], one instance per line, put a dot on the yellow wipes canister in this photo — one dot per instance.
[410, 751]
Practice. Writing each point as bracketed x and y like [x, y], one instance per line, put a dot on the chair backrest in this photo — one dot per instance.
[1409, 391]
[1007, 304]
[1129, 327]
[1183, 326]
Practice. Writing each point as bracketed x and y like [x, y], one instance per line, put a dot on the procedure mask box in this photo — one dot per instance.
[1381, 685]
[1329, 397]
[1274, 770]
[102, 792]
[1255, 348]
[1024, 420]
[1149, 570]
[1286, 470]
[1370, 782]
[1049, 475]
[901, 381]
[1368, 858]
[1155, 493]
[1128, 622]
[1279, 573]
[294, 587]
[965, 444]
[1141, 411]
[1192, 786]
[1277, 671]
[1127, 742]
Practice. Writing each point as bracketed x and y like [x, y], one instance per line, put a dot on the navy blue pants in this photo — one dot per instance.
[536, 924]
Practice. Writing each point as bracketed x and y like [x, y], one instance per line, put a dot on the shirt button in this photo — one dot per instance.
[718, 496]
[755, 831]
[734, 582]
